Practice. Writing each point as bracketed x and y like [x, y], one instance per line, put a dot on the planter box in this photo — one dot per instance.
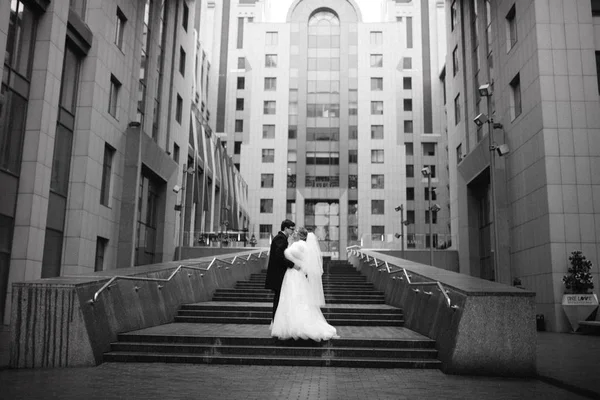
[578, 307]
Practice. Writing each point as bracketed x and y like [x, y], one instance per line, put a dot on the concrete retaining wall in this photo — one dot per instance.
[492, 332]
[54, 325]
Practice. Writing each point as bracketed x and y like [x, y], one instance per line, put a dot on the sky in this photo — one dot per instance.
[369, 8]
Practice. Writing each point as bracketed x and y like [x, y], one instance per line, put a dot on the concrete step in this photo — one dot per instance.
[327, 300]
[267, 314]
[277, 350]
[272, 360]
[266, 320]
[261, 307]
[333, 291]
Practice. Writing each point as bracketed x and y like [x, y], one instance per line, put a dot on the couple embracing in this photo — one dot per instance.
[294, 274]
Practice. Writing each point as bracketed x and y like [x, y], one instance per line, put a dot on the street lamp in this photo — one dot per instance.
[181, 207]
[486, 91]
[403, 223]
[426, 172]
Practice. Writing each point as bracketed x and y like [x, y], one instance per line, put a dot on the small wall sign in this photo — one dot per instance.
[580, 299]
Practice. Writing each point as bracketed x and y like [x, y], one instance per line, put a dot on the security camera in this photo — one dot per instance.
[436, 208]
[176, 189]
[398, 236]
[398, 208]
[502, 150]
[481, 119]
[425, 171]
[485, 90]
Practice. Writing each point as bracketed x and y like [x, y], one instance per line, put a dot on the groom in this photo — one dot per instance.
[278, 264]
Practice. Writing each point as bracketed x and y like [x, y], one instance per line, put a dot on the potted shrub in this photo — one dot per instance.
[578, 302]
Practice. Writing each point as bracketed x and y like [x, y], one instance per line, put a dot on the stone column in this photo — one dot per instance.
[34, 182]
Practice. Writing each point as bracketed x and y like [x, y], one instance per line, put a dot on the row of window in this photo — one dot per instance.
[326, 64]
[377, 208]
[376, 38]
[270, 84]
[324, 110]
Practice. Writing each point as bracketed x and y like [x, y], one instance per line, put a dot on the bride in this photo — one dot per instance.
[299, 314]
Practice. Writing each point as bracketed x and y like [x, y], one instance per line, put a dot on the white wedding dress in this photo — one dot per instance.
[298, 314]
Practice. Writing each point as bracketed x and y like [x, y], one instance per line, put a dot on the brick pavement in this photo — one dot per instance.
[174, 381]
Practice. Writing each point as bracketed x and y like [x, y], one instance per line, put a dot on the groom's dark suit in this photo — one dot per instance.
[277, 267]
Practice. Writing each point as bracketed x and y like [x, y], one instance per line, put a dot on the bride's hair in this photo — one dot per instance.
[302, 233]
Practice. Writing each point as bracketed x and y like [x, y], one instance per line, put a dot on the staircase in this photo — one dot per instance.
[234, 329]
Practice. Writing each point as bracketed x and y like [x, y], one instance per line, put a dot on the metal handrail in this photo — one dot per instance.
[108, 284]
[439, 285]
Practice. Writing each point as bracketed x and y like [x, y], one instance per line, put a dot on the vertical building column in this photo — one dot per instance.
[34, 182]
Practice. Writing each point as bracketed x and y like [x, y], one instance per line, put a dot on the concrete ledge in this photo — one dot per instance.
[491, 332]
[53, 323]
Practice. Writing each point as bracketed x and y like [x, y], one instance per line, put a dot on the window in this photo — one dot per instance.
[409, 148]
[433, 220]
[376, 131]
[406, 63]
[179, 110]
[453, 15]
[428, 149]
[241, 82]
[268, 131]
[376, 83]
[101, 245]
[377, 207]
[291, 181]
[322, 158]
[457, 109]
[292, 156]
[598, 68]
[78, 6]
[186, 16]
[239, 125]
[271, 60]
[268, 155]
[264, 231]
[433, 194]
[515, 101]
[239, 104]
[106, 175]
[353, 156]
[377, 156]
[410, 216]
[292, 132]
[376, 60]
[271, 39]
[410, 171]
[408, 126]
[408, 106]
[377, 108]
[377, 233]
[176, 153]
[410, 193]
[377, 181]
[120, 28]
[511, 28]
[353, 102]
[459, 154]
[237, 147]
[182, 57]
[407, 83]
[237, 166]
[409, 33]
[241, 63]
[266, 206]
[270, 83]
[269, 107]
[455, 60]
[432, 169]
[353, 132]
[352, 181]
[376, 38]
[266, 180]
[113, 97]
